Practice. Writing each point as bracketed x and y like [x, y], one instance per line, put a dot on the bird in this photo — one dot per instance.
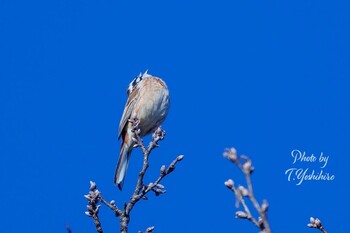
[148, 102]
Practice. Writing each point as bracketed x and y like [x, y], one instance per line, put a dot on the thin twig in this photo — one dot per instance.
[111, 205]
[241, 192]
[141, 189]
[317, 224]
[163, 173]
[148, 230]
[238, 193]
[93, 208]
[94, 196]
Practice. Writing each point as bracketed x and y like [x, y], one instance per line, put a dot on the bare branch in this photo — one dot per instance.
[93, 208]
[148, 230]
[240, 192]
[141, 190]
[244, 163]
[317, 224]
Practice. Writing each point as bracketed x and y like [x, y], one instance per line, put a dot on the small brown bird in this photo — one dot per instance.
[148, 101]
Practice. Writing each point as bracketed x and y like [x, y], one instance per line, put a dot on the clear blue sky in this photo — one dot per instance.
[265, 77]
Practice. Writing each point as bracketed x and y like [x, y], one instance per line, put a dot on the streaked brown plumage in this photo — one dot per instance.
[148, 101]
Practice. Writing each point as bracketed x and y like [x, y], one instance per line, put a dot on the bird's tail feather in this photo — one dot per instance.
[122, 166]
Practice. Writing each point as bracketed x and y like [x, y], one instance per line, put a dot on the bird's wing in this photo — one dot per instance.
[129, 107]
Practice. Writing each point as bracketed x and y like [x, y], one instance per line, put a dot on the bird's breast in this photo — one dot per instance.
[152, 108]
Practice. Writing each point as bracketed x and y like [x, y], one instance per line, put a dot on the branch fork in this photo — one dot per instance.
[141, 190]
[244, 163]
